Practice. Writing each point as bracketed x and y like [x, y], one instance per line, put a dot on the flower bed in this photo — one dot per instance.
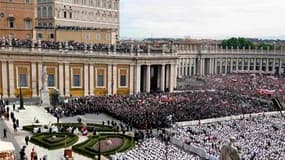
[54, 140]
[109, 144]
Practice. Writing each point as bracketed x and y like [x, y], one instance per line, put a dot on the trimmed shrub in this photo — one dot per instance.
[60, 140]
[90, 127]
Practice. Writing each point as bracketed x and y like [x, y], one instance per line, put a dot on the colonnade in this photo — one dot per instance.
[191, 66]
[155, 77]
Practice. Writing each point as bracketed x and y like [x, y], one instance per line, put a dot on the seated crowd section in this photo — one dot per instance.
[258, 137]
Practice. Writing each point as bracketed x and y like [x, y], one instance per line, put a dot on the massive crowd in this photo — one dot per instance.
[73, 46]
[153, 110]
[152, 148]
[258, 137]
[245, 84]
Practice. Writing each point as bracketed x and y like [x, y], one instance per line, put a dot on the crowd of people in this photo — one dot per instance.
[73, 46]
[245, 84]
[153, 148]
[258, 137]
[153, 110]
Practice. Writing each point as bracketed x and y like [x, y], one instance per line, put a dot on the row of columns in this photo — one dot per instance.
[8, 77]
[165, 78]
[189, 66]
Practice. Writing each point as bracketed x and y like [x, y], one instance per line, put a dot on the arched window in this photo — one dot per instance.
[39, 24]
[44, 25]
[45, 12]
[39, 12]
[50, 11]
[50, 25]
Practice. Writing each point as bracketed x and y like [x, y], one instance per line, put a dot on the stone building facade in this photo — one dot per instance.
[17, 18]
[77, 14]
[83, 73]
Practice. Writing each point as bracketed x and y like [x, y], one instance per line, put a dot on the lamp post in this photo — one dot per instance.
[99, 150]
[21, 98]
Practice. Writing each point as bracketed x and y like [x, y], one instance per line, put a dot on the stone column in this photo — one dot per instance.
[86, 80]
[215, 65]
[167, 76]
[221, 66]
[261, 64]
[242, 64]
[91, 79]
[11, 79]
[202, 67]
[267, 65]
[109, 75]
[4, 79]
[175, 77]
[186, 67]
[60, 74]
[248, 63]
[171, 83]
[190, 67]
[131, 79]
[40, 85]
[280, 65]
[138, 78]
[148, 78]
[237, 64]
[194, 68]
[254, 64]
[67, 79]
[226, 66]
[273, 65]
[232, 65]
[210, 66]
[183, 68]
[34, 79]
[115, 79]
[179, 67]
[162, 78]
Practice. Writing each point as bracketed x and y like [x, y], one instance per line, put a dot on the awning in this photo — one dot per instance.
[6, 146]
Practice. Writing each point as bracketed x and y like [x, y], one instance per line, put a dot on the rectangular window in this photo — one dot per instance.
[51, 35]
[11, 24]
[51, 82]
[98, 36]
[100, 80]
[76, 80]
[40, 35]
[27, 24]
[23, 80]
[108, 37]
[70, 15]
[27, 1]
[123, 80]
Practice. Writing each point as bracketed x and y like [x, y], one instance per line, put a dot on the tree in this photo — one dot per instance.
[237, 43]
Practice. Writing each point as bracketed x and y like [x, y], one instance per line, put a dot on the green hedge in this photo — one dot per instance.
[44, 140]
[90, 127]
[30, 127]
[86, 147]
